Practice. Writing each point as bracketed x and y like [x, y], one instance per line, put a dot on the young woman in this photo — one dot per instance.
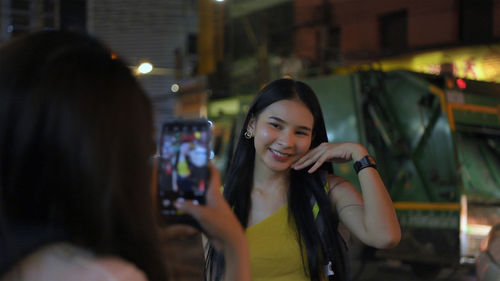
[281, 187]
[76, 152]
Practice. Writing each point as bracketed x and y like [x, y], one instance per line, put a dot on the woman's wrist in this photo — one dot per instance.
[236, 244]
[359, 152]
[237, 256]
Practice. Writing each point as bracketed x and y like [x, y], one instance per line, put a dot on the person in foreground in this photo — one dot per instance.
[76, 146]
[488, 261]
[282, 188]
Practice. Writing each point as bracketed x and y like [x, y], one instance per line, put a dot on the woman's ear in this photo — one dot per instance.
[251, 124]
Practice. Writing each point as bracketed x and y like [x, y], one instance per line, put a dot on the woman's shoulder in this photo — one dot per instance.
[121, 270]
[64, 261]
[333, 181]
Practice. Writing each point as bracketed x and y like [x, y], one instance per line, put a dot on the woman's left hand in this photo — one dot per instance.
[337, 152]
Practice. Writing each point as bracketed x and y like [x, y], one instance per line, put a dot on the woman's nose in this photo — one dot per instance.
[285, 139]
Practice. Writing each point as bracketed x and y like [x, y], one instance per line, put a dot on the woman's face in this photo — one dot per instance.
[282, 134]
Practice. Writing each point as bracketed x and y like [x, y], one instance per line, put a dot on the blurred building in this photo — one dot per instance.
[162, 33]
[337, 32]
[22, 16]
[303, 38]
[258, 35]
[363, 29]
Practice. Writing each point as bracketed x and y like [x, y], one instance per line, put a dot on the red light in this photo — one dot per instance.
[461, 83]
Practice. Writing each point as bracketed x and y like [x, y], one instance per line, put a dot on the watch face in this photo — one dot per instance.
[364, 162]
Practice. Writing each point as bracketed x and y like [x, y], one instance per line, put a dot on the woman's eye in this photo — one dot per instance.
[302, 133]
[275, 125]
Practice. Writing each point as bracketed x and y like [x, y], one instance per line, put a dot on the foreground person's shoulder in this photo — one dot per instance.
[64, 261]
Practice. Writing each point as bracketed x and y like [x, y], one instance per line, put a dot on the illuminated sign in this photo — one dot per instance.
[475, 63]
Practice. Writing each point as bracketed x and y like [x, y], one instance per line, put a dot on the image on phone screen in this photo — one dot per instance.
[182, 169]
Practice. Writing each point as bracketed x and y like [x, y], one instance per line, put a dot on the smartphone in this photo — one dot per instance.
[183, 173]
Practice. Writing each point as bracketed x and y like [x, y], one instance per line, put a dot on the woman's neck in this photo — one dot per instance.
[266, 180]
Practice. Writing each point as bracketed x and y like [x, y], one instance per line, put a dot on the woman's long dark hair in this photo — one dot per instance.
[239, 180]
[75, 143]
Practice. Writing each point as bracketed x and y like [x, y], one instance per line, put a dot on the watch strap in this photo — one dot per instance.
[364, 162]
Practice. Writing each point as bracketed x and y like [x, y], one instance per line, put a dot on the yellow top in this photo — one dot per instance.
[183, 168]
[274, 251]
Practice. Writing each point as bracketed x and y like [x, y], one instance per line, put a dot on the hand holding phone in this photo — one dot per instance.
[182, 169]
[223, 229]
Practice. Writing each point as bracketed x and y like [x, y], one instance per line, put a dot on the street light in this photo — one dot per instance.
[174, 88]
[145, 68]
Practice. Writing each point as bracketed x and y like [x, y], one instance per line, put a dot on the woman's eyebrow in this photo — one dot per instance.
[283, 121]
[304, 128]
[277, 119]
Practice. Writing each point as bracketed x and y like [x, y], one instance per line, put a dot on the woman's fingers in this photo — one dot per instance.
[320, 152]
[213, 192]
[302, 162]
[307, 159]
[334, 152]
[322, 159]
[191, 208]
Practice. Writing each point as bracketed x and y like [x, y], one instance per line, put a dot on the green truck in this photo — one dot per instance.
[436, 140]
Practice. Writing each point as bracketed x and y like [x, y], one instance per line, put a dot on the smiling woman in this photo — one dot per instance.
[282, 188]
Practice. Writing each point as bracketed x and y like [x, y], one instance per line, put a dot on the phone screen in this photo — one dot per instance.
[182, 168]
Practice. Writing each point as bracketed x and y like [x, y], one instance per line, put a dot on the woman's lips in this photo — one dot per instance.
[280, 156]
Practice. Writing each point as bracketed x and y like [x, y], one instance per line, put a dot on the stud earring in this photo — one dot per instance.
[248, 135]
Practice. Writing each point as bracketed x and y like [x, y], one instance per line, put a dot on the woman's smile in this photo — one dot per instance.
[279, 156]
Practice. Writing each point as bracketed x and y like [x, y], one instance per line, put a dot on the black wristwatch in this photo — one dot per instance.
[364, 162]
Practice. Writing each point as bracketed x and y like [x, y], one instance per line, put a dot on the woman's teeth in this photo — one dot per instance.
[279, 153]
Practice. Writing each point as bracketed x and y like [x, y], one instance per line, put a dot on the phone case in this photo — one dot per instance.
[182, 168]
